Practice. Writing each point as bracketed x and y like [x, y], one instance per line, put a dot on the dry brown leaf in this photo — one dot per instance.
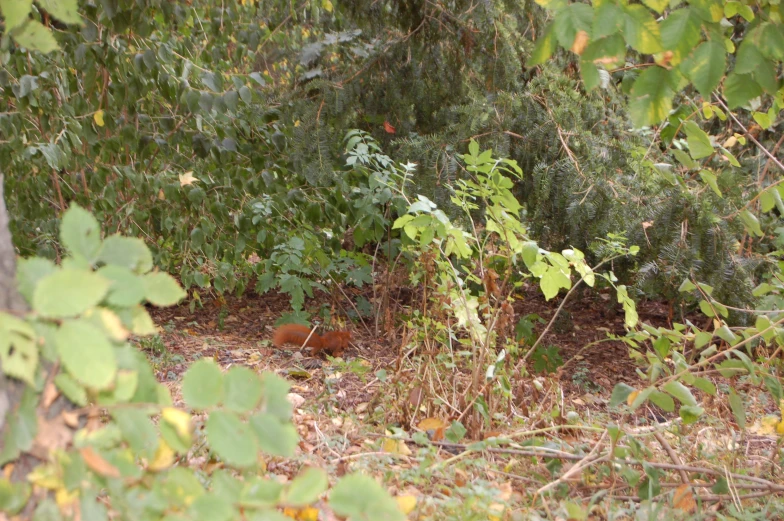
[97, 464]
[49, 395]
[581, 40]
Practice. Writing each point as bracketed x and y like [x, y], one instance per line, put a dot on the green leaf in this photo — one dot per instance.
[657, 5]
[18, 354]
[620, 394]
[748, 57]
[607, 20]
[709, 178]
[161, 289]
[243, 389]
[29, 272]
[69, 292]
[738, 409]
[705, 67]
[15, 12]
[690, 413]
[126, 288]
[608, 52]
[651, 97]
[86, 354]
[80, 232]
[275, 401]
[641, 30]
[72, 389]
[751, 223]
[212, 507]
[699, 142]
[767, 200]
[569, 21]
[771, 41]
[680, 392]
[680, 33]
[34, 36]
[705, 385]
[202, 385]
[739, 89]
[66, 11]
[275, 437]
[129, 252]
[708, 10]
[306, 487]
[662, 400]
[360, 497]
[231, 439]
[544, 48]
[137, 430]
[552, 281]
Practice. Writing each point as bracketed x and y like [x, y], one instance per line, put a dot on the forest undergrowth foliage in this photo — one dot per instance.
[215, 132]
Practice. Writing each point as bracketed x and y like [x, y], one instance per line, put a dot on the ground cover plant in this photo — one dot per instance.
[552, 230]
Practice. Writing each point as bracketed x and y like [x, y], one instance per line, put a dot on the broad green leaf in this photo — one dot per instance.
[138, 430]
[275, 401]
[680, 392]
[86, 354]
[641, 30]
[620, 394]
[767, 200]
[34, 36]
[705, 385]
[662, 400]
[275, 437]
[19, 355]
[569, 21]
[733, 8]
[29, 272]
[748, 57]
[231, 439]
[261, 492]
[242, 389]
[129, 252]
[641, 397]
[180, 487]
[212, 507]
[608, 52]
[773, 386]
[705, 67]
[306, 487]
[126, 289]
[708, 10]
[544, 48]
[15, 12]
[771, 42]
[699, 142]
[66, 11]
[762, 119]
[765, 75]
[72, 389]
[202, 385]
[161, 289]
[80, 232]
[607, 20]
[552, 281]
[680, 33]
[651, 97]
[357, 496]
[739, 89]
[68, 292]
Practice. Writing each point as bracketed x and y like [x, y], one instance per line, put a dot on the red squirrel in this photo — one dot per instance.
[333, 342]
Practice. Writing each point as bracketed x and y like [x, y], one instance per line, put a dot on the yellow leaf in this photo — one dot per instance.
[98, 117]
[187, 179]
[45, 476]
[308, 514]
[406, 503]
[327, 5]
[496, 512]
[65, 498]
[180, 420]
[393, 446]
[164, 457]
[580, 42]
[632, 396]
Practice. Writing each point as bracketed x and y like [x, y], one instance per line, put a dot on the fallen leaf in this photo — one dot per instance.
[406, 503]
[683, 499]
[187, 179]
[98, 464]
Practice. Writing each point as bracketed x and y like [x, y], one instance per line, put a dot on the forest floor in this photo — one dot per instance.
[334, 403]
